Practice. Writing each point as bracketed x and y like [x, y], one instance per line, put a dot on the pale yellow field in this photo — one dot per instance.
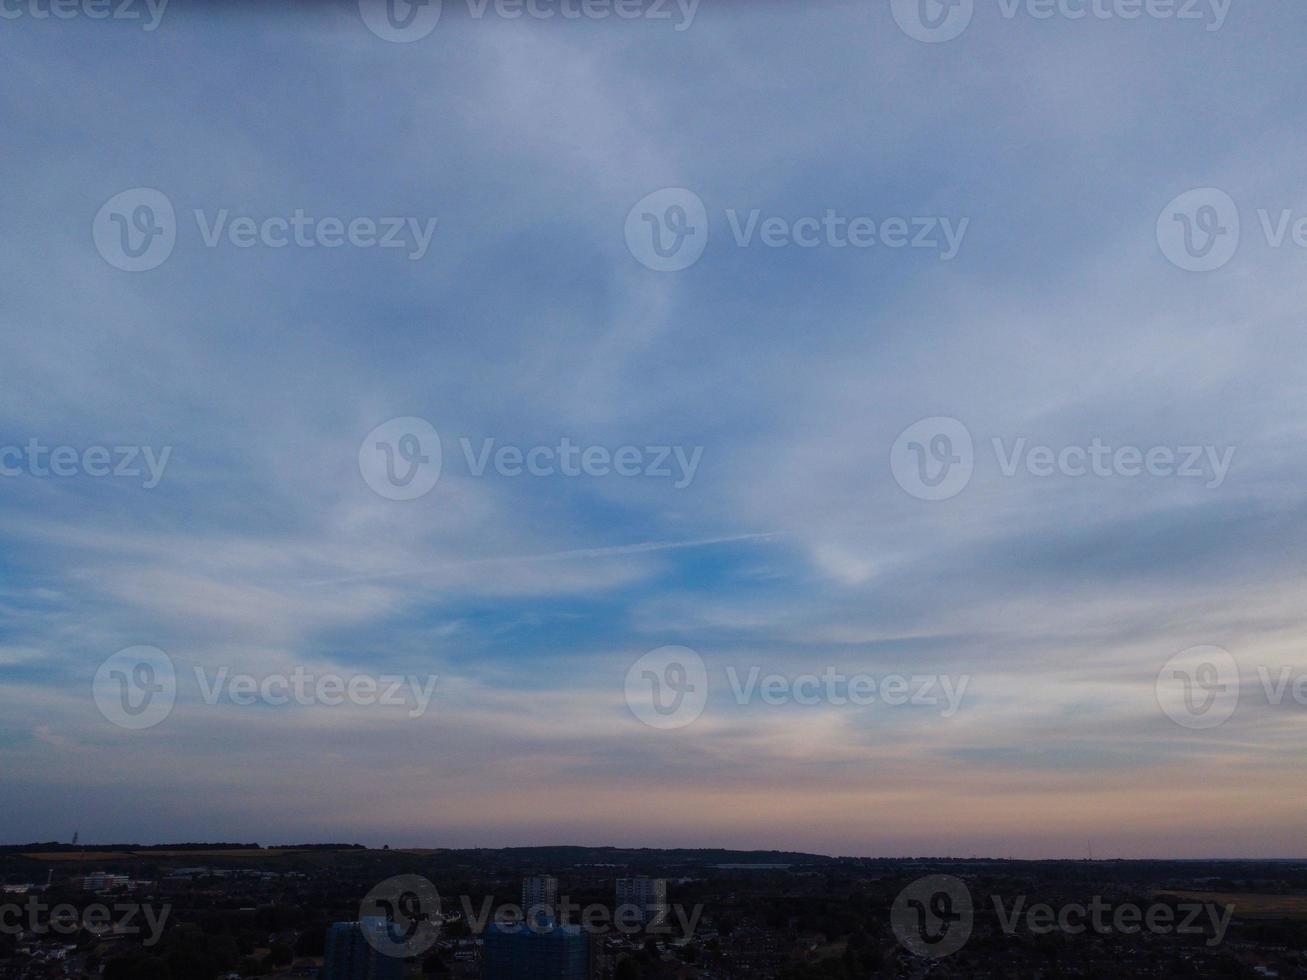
[91, 857]
[1248, 906]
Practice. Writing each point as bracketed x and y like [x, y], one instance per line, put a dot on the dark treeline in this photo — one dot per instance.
[53, 847]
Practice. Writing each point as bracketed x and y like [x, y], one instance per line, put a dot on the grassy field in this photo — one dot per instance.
[1250, 906]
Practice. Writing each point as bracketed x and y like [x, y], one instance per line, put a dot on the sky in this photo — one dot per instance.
[1029, 445]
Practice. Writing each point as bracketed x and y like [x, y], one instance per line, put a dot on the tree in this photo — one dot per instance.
[279, 955]
[191, 963]
[433, 964]
[312, 941]
[137, 966]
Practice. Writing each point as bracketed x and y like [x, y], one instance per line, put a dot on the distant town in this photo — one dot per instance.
[345, 912]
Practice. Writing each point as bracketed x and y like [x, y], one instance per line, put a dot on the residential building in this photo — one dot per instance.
[99, 881]
[539, 897]
[647, 895]
[349, 955]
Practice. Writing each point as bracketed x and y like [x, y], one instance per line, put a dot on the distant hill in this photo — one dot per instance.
[53, 847]
[565, 854]
[509, 857]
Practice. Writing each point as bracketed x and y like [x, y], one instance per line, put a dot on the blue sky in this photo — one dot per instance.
[528, 320]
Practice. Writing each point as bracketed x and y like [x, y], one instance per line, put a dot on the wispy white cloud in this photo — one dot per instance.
[263, 550]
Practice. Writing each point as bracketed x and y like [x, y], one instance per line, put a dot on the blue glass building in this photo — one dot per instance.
[541, 952]
[351, 957]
